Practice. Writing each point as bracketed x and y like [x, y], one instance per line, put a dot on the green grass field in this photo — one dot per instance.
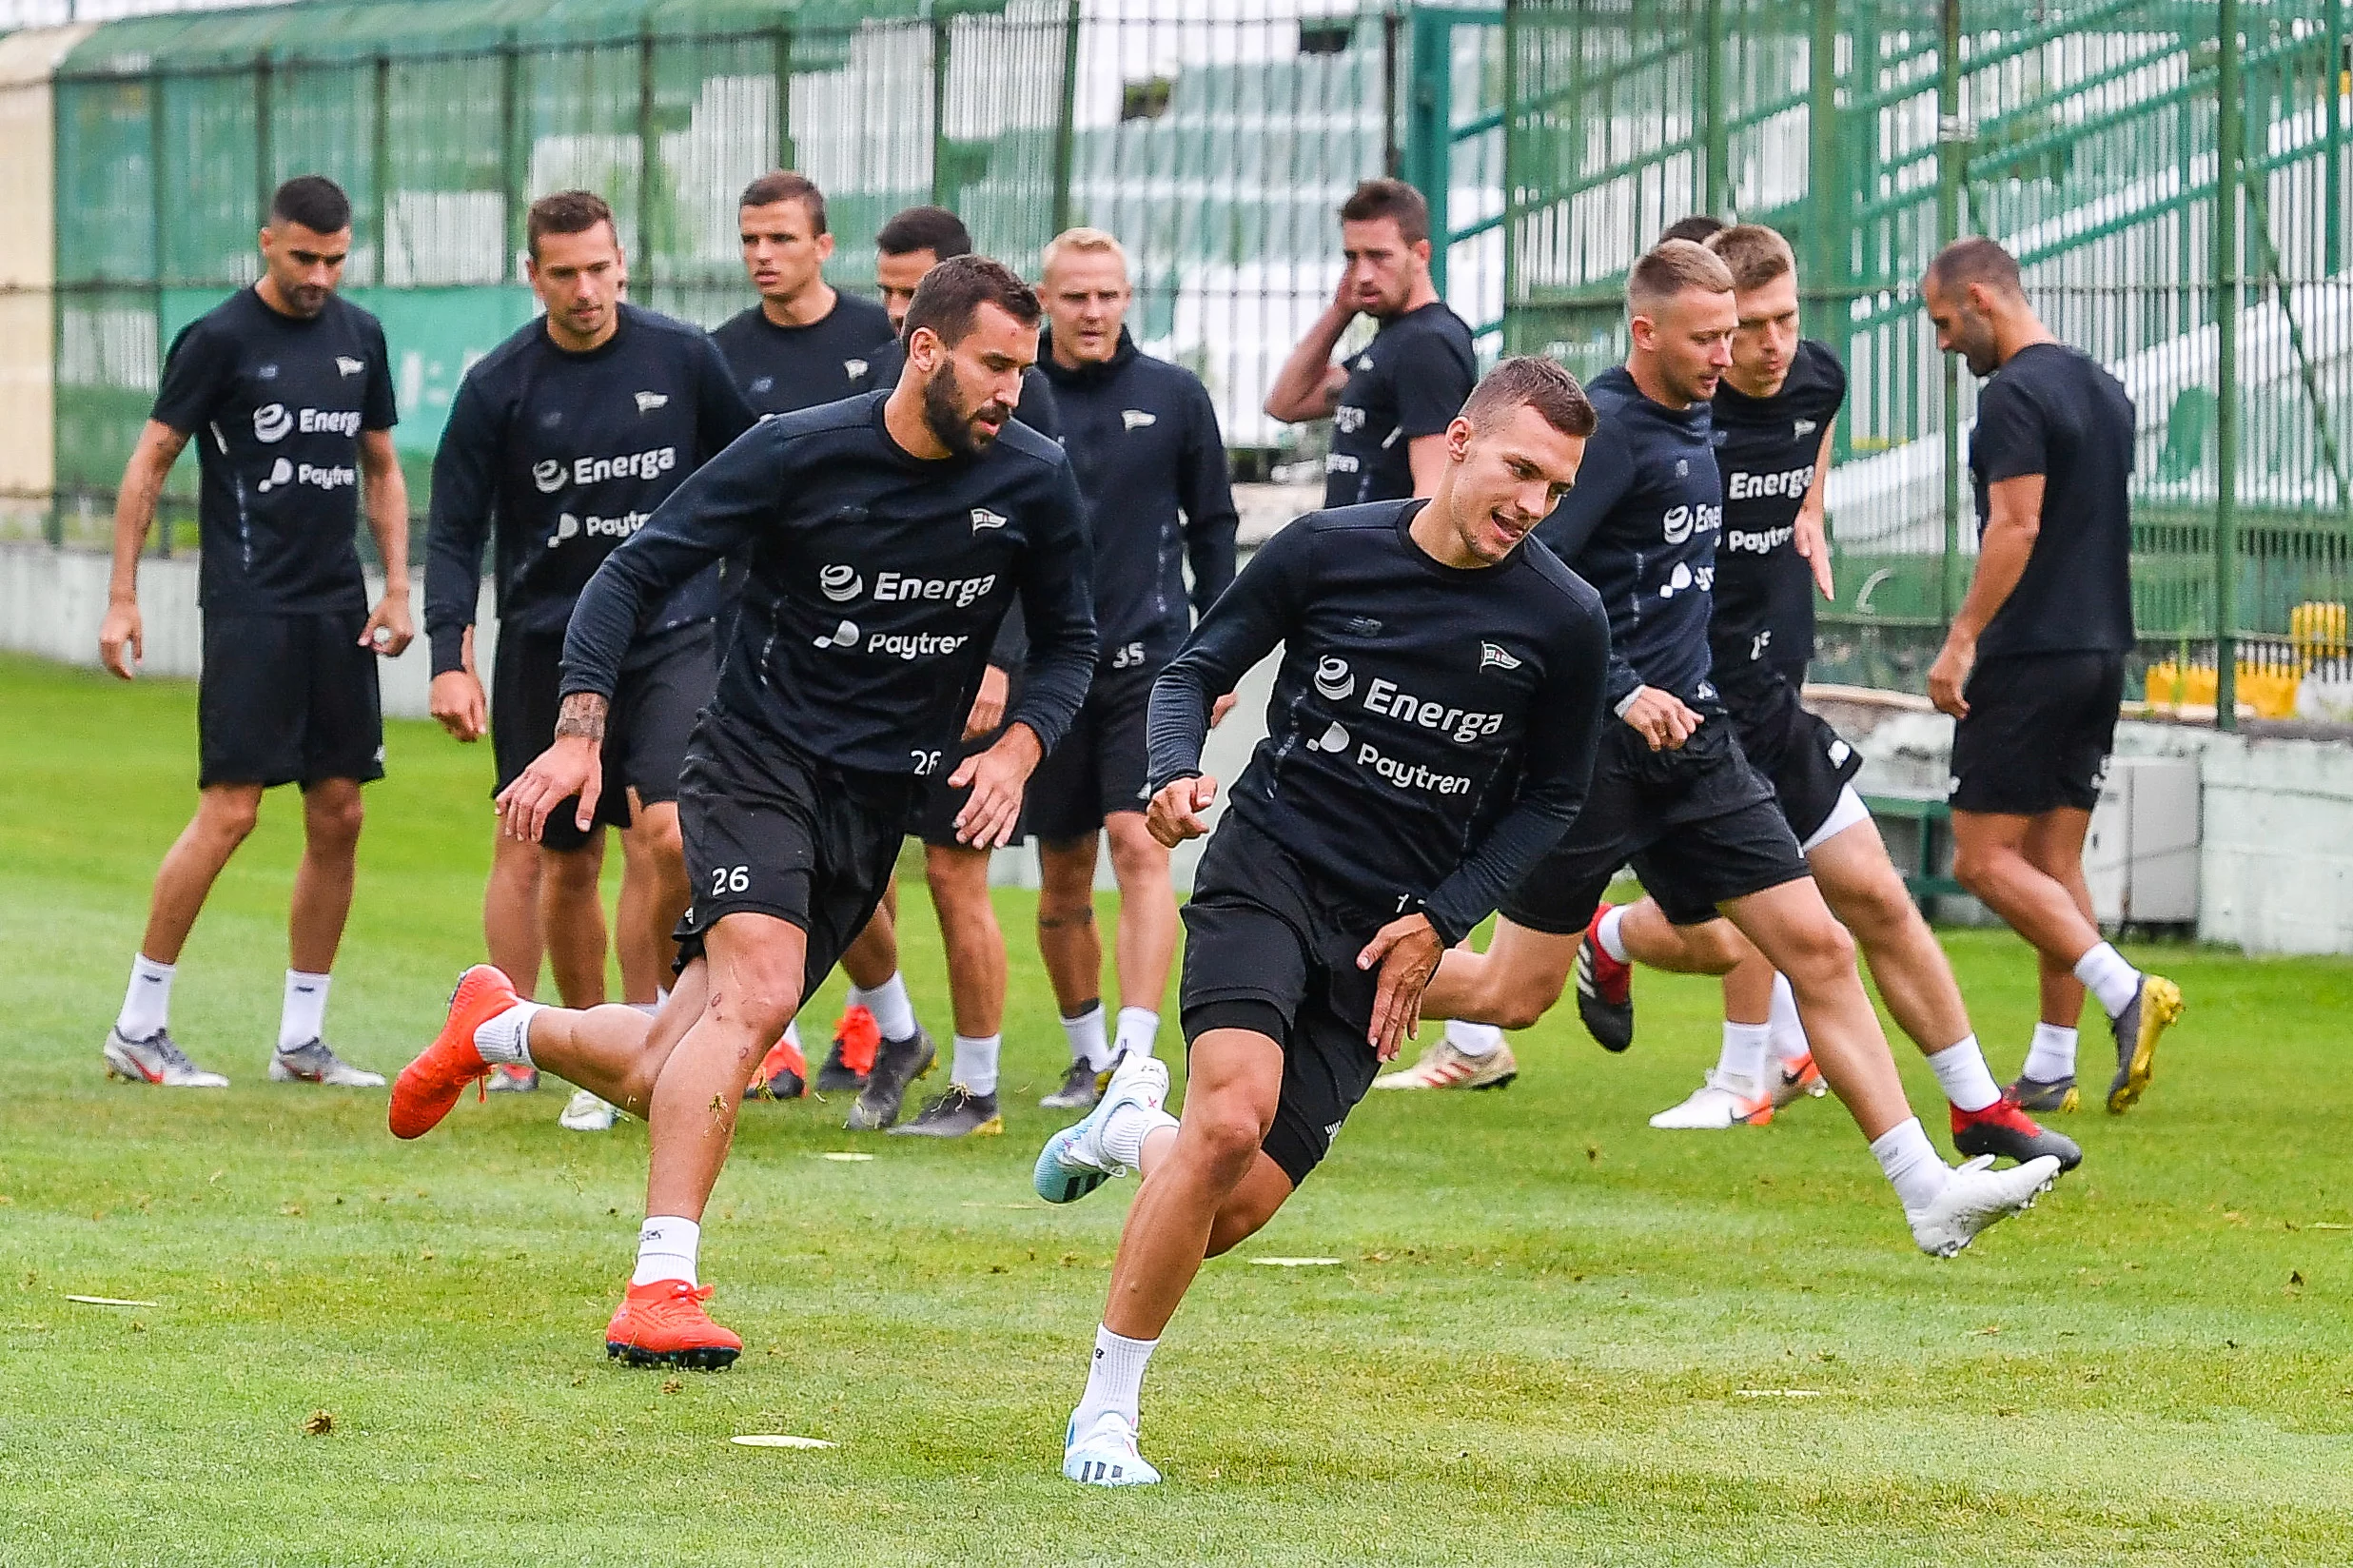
[1554, 1335]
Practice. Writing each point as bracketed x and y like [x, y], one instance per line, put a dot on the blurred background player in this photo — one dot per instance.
[2032, 668]
[560, 443]
[1144, 441]
[805, 344]
[1389, 405]
[294, 386]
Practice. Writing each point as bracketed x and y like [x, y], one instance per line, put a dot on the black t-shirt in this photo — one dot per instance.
[1144, 441]
[875, 582]
[782, 368]
[2055, 411]
[277, 403]
[569, 454]
[1641, 525]
[1410, 380]
[1766, 448]
[1432, 729]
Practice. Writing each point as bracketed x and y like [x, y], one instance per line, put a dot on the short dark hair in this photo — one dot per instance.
[1755, 254]
[952, 294]
[313, 201]
[1542, 386]
[1698, 228]
[1670, 267]
[784, 185]
[932, 229]
[566, 212]
[1977, 259]
[1392, 198]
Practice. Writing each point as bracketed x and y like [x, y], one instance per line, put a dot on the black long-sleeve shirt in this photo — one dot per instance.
[1642, 527]
[1144, 440]
[875, 581]
[562, 457]
[1433, 729]
[784, 368]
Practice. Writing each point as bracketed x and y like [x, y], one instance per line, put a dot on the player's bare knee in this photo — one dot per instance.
[1713, 946]
[1818, 952]
[333, 821]
[1227, 1135]
[229, 815]
[1520, 1001]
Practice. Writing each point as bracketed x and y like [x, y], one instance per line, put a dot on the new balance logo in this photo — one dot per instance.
[1493, 657]
[345, 365]
[983, 517]
[648, 401]
[1136, 419]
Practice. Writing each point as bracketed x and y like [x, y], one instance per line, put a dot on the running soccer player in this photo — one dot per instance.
[806, 344]
[1389, 405]
[888, 535]
[2032, 668]
[1432, 729]
[1774, 412]
[560, 443]
[906, 249]
[1144, 440]
[292, 391]
[1670, 792]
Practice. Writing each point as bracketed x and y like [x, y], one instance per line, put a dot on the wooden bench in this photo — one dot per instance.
[1932, 824]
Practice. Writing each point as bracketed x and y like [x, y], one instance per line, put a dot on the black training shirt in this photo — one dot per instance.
[563, 456]
[1640, 526]
[1410, 380]
[1432, 729]
[1144, 441]
[276, 405]
[875, 582]
[2055, 411]
[1767, 448]
[781, 368]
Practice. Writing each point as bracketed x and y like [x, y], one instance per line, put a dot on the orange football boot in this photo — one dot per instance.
[430, 1087]
[663, 1324]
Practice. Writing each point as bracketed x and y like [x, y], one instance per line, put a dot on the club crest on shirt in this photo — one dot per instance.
[1493, 657]
[1136, 419]
[853, 368]
[347, 366]
[1682, 468]
[983, 517]
[1804, 427]
[648, 401]
[1363, 361]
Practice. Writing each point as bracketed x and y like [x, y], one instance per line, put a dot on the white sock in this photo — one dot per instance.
[1613, 941]
[1114, 1380]
[1913, 1167]
[792, 1034]
[1086, 1034]
[304, 1017]
[1473, 1039]
[667, 1249]
[507, 1037]
[1789, 1031]
[2107, 975]
[893, 1014]
[1122, 1136]
[1138, 1028]
[1743, 1055]
[1961, 1070]
[2052, 1055]
[976, 1062]
[146, 1007]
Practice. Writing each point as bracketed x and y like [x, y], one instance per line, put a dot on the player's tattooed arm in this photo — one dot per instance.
[582, 717]
[566, 771]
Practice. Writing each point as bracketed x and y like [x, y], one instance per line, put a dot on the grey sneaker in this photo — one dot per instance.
[512, 1078]
[314, 1064]
[897, 1063]
[1081, 1088]
[156, 1060]
[2154, 1008]
[958, 1113]
[2050, 1097]
[587, 1114]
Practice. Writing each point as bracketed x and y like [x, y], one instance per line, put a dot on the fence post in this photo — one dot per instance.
[1391, 24]
[1429, 142]
[1824, 262]
[1716, 177]
[2229, 147]
[649, 164]
[783, 66]
[1952, 146]
[511, 159]
[379, 170]
[1065, 130]
[2332, 82]
[939, 112]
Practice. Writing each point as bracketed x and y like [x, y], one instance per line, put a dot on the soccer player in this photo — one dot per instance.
[806, 344]
[292, 389]
[906, 249]
[888, 535]
[1144, 441]
[2032, 668]
[1433, 726]
[1390, 404]
[1773, 411]
[1672, 792]
[560, 443]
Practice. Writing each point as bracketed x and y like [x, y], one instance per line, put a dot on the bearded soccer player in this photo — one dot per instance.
[803, 344]
[888, 533]
[292, 391]
[560, 443]
[1672, 792]
[1432, 729]
[1144, 440]
[2033, 667]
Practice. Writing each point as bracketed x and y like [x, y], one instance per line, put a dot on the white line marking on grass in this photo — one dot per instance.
[1295, 1263]
[1778, 1393]
[778, 1440]
[106, 1300]
[845, 1157]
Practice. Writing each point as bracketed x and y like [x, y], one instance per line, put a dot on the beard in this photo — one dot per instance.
[944, 416]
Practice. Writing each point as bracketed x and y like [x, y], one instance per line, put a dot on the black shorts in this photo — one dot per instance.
[772, 830]
[2039, 730]
[1807, 762]
[1099, 768]
[933, 818]
[1699, 825]
[1263, 951]
[662, 689]
[287, 699]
